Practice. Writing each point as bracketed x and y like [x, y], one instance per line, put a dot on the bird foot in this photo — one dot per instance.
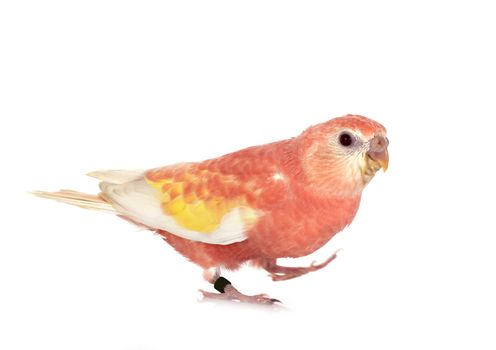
[283, 273]
[228, 292]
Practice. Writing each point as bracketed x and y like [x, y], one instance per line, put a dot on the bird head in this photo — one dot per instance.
[341, 156]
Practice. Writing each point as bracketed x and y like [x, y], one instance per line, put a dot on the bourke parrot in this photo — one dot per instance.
[282, 199]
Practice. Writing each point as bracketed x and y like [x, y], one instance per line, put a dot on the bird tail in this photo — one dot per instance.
[82, 200]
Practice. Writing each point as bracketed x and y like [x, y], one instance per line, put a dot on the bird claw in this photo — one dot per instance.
[283, 273]
[232, 294]
[265, 299]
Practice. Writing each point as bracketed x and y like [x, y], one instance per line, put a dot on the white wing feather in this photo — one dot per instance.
[117, 176]
[140, 202]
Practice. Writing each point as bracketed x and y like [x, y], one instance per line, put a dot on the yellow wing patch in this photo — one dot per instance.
[194, 206]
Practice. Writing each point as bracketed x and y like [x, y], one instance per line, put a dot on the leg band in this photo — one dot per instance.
[221, 283]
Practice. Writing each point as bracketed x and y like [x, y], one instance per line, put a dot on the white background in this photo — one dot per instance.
[118, 84]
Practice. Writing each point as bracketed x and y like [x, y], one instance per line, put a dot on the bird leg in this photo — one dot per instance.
[228, 292]
[283, 273]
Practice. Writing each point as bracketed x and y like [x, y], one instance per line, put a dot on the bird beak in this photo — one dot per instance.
[377, 155]
[382, 158]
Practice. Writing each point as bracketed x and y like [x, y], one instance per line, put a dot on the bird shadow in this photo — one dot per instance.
[277, 307]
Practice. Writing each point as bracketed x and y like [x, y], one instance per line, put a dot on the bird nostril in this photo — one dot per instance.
[378, 143]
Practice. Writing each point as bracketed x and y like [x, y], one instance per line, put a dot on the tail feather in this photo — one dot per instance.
[83, 200]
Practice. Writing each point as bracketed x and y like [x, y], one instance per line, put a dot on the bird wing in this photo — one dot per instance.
[211, 202]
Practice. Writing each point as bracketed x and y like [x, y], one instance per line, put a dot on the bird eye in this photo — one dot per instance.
[346, 139]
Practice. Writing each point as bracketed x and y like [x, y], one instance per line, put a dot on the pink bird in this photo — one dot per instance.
[283, 199]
